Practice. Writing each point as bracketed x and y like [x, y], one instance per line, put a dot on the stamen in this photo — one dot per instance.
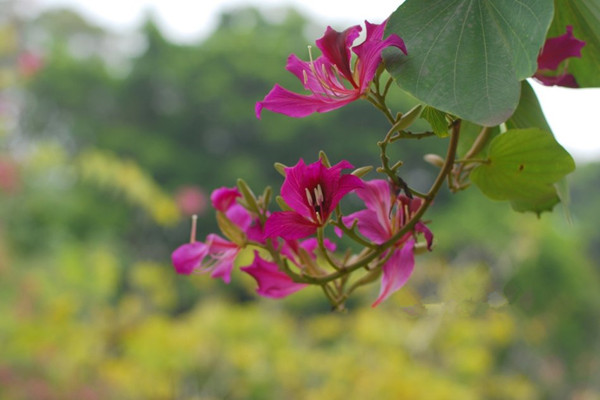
[319, 195]
[305, 76]
[310, 54]
[406, 215]
[308, 197]
[193, 231]
[327, 89]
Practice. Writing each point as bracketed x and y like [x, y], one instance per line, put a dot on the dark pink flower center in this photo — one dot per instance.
[316, 202]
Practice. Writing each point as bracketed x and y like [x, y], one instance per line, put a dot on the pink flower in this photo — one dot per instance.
[380, 221]
[271, 281]
[216, 254]
[312, 192]
[322, 76]
[555, 51]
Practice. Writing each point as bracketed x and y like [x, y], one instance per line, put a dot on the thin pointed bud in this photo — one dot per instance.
[230, 230]
[248, 196]
[362, 171]
[193, 230]
[434, 159]
[324, 159]
[282, 204]
[408, 118]
[279, 167]
[266, 196]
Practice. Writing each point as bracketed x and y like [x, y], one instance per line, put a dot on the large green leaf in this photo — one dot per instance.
[523, 165]
[529, 113]
[584, 16]
[466, 57]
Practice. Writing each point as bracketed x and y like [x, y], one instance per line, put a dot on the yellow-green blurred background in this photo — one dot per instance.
[109, 142]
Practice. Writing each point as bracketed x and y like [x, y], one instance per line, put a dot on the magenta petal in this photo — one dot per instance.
[421, 227]
[342, 187]
[369, 51]
[396, 271]
[336, 48]
[313, 74]
[223, 198]
[369, 225]
[310, 245]
[292, 104]
[564, 80]
[558, 49]
[188, 257]
[288, 225]
[271, 281]
[239, 216]
[378, 198]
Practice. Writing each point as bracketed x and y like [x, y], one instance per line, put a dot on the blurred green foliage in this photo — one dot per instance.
[506, 307]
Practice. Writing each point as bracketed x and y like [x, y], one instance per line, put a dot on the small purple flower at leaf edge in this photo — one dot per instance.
[555, 51]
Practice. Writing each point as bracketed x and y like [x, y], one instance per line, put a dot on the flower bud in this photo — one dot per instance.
[408, 118]
[248, 196]
[434, 159]
[362, 171]
[230, 230]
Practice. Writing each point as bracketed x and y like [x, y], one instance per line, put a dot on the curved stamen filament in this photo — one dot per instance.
[323, 77]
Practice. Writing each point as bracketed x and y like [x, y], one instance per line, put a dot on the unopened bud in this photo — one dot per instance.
[434, 159]
[362, 171]
[324, 159]
[408, 118]
[248, 195]
[279, 167]
[230, 230]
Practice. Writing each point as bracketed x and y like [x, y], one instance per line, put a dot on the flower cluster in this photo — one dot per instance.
[289, 247]
[286, 243]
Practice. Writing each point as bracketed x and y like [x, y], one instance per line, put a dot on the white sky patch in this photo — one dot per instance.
[572, 114]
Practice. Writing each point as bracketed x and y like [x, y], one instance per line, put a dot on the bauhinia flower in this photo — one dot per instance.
[331, 79]
[383, 218]
[312, 192]
[551, 57]
[216, 254]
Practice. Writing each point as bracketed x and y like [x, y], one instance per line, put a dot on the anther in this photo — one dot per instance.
[308, 197]
[319, 195]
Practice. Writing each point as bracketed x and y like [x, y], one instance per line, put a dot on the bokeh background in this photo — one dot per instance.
[110, 141]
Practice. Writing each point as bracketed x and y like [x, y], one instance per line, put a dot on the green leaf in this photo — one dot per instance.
[584, 16]
[529, 113]
[543, 202]
[466, 57]
[437, 120]
[523, 165]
